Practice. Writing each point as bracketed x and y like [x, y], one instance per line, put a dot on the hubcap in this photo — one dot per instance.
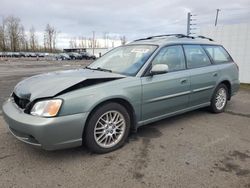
[221, 98]
[109, 129]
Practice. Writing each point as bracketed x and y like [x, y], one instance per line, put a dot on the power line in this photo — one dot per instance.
[232, 9]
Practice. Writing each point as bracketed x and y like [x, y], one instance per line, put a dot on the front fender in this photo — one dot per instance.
[86, 99]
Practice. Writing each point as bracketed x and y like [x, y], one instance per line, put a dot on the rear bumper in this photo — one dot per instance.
[47, 133]
[235, 87]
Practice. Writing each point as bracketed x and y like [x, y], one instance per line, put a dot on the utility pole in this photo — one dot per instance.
[190, 24]
[93, 42]
[216, 19]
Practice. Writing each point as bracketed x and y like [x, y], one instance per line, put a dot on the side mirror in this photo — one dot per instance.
[159, 69]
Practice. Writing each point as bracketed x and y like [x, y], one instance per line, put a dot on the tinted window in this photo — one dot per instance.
[218, 54]
[196, 56]
[172, 56]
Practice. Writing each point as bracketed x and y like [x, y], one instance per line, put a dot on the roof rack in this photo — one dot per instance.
[167, 35]
[203, 37]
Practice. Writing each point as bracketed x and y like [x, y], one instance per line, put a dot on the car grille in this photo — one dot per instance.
[22, 103]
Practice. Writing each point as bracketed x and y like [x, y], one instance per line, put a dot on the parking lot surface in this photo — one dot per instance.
[196, 149]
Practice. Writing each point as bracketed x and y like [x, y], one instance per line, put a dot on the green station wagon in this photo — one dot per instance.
[132, 85]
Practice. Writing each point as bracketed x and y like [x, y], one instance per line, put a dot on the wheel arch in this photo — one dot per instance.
[125, 103]
[229, 87]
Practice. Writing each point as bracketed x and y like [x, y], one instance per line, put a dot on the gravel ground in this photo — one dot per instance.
[196, 149]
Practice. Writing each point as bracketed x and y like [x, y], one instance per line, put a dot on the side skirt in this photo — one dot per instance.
[141, 123]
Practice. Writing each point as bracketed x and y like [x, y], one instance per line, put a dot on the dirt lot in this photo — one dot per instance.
[196, 149]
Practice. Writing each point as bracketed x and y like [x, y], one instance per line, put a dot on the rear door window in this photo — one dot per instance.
[218, 54]
[196, 56]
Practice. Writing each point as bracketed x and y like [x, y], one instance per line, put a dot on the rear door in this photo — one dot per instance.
[203, 74]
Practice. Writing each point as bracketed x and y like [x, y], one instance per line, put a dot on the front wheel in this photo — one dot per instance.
[107, 128]
[219, 99]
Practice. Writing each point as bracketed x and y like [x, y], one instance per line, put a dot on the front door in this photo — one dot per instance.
[166, 93]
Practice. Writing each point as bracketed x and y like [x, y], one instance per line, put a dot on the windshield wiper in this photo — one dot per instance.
[102, 69]
[99, 69]
[88, 68]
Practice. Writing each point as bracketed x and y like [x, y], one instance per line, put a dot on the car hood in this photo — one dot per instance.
[53, 83]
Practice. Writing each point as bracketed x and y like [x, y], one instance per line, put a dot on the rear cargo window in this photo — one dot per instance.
[218, 54]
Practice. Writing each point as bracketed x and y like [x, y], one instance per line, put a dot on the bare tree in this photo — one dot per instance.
[90, 42]
[73, 43]
[82, 41]
[50, 35]
[97, 44]
[13, 29]
[33, 42]
[105, 38]
[3, 45]
[54, 40]
[112, 39]
[123, 40]
[12, 35]
[23, 42]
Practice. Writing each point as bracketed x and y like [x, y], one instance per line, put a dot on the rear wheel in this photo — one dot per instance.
[219, 99]
[107, 128]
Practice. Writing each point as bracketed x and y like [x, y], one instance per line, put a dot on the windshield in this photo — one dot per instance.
[126, 60]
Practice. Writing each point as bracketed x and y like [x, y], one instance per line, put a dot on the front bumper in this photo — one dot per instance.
[48, 133]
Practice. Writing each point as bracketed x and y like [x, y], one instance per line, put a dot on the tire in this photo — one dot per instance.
[219, 99]
[97, 135]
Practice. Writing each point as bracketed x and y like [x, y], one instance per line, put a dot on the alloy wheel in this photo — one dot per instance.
[109, 129]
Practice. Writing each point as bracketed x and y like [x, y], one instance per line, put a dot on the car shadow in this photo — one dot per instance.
[153, 130]
[150, 131]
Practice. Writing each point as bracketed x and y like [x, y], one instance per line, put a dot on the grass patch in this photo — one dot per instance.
[245, 86]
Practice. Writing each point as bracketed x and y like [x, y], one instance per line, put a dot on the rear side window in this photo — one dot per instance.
[218, 54]
[196, 56]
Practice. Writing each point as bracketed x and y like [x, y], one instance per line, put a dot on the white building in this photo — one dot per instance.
[236, 39]
[98, 51]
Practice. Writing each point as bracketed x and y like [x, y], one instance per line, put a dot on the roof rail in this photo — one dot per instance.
[203, 37]
[167, 35]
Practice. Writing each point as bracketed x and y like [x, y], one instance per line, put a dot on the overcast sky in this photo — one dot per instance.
[132, 18]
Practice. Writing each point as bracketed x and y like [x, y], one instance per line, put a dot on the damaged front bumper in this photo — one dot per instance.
[48, 133]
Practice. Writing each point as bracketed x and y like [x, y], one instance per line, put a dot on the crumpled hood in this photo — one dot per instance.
[50, 84]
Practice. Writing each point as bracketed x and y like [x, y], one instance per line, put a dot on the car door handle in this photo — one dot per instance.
[215, 74]
[183, 81]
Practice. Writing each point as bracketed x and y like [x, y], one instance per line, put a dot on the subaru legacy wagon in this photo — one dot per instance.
[132, 85]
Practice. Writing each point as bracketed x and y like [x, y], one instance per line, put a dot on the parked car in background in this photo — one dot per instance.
[40, 54]
[22, 54]
[16, 54]
[88, 56]
[32, 54]
[62, 56]
[9, 54]
[74, 55]
[132, 85]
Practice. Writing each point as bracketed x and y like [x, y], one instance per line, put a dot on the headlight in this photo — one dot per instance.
[46, 108]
